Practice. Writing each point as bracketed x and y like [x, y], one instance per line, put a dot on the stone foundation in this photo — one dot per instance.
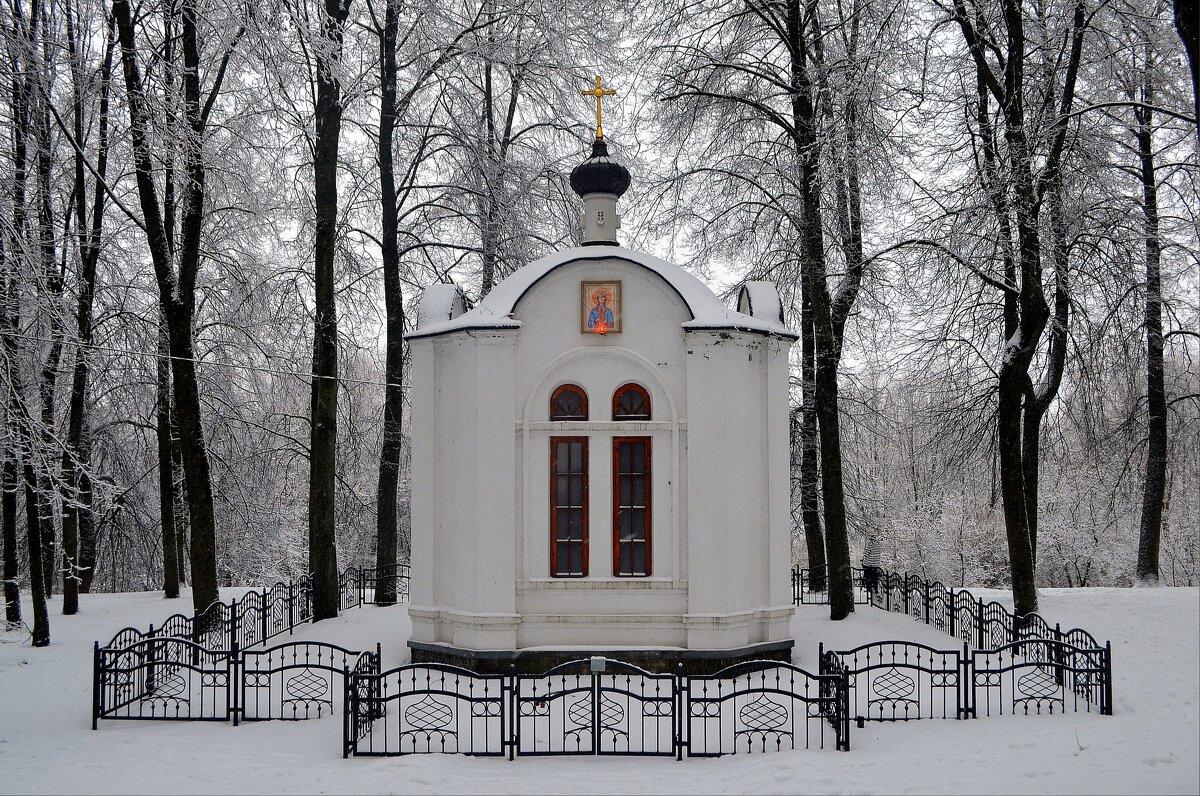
[536, 661]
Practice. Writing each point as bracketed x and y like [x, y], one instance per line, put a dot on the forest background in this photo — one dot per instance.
[217, 217]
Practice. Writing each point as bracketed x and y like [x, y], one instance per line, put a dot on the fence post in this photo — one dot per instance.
[97, 695]
[1058, 654]
[349, 709]
[513, 723]
[291, 606]
[233, 623]
[150, 661]
[979, 624]
[235, 670]
[926, 600]
[1107, 708]
[966, 678]
[844, 708]
[680, 711]
[262, 609]
[950, 610]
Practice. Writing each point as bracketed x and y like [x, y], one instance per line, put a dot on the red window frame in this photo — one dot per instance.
[568, 388]
[617, 508]
[631, 388]
[554, 509]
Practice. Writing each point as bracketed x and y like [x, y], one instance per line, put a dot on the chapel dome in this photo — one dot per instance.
[600, 173]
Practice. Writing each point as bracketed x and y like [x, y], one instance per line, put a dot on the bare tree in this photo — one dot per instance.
[322, 549]
[176, 267]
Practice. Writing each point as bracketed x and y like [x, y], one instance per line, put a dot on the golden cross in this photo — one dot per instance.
[599, 93]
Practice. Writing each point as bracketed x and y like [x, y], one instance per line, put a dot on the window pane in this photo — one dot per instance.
[638, 497]
[576, 457]
[577, 490]
[625, 457]
[561, 455]
[562, 561]
[576, 559]
[639, 558]
[626, 562]
[563, 484]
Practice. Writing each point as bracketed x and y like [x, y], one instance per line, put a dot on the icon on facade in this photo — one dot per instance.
[600, 307]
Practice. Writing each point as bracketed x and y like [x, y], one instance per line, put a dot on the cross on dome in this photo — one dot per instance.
[599, 92]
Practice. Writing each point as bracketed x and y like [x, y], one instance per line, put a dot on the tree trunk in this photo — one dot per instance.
[810, 463]
[1154, 486]
[8, 516]
[393, 406]
[53, 282]
[87, 522]
[1187, 24]
[73, 459]
[177, 291]
[1039, 397]
[322, 546]
[837, 545]
[166, 469]
[179, 492]
[33, 524]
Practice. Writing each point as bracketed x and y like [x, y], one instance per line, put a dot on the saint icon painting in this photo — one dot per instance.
[600, 307]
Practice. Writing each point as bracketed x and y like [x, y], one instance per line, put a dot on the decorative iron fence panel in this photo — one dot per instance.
[386, 585]
[900, 681]
[427, 708]
[1041, 676]
[162, 678]
[177, 679]
[763, 705]
[350, 589]
[810, 586]
[292, 681]
[576, 708]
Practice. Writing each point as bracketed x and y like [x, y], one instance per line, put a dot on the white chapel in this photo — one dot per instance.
[600, 462]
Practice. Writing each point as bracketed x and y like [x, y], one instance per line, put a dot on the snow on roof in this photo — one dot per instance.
[761, 300]
[496, 309]
[439, 302]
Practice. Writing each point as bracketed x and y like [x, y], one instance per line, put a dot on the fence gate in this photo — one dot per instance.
[162, 678]
[597, 707]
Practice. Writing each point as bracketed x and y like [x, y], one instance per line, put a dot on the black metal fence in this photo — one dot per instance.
[810, 585]
[373, 586]
[594, 707]
[902, 681]
[179, 680]
[256, 617]
[1008, 663]
[202, 667]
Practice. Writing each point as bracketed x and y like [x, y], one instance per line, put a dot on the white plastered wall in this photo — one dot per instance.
[720, 520]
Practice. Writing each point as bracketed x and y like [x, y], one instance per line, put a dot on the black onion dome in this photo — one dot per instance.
[600, 173]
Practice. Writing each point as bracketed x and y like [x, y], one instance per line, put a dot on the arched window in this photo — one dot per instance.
[631, 402]
[569, 402]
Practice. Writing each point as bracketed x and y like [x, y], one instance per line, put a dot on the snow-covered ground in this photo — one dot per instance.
[1151, 745]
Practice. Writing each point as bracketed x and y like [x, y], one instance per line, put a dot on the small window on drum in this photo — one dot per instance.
[569, 402]
[631, 402]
